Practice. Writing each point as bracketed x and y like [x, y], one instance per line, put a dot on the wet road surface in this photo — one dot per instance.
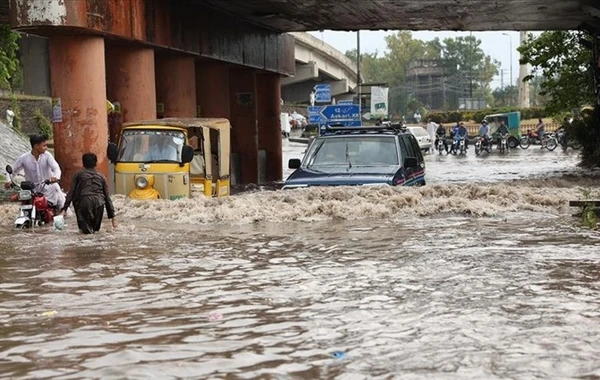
[466, 278]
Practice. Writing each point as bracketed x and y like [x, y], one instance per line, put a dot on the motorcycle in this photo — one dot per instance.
[35, 210]
[549, 141]
[462, 149]
[503, 144]
[565, 142]
[481, 144]
[440, 144]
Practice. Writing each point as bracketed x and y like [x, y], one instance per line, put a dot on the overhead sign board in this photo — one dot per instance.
[323, 93]
[348, 115]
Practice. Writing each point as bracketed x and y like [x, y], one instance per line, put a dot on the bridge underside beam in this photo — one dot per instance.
[304, 73]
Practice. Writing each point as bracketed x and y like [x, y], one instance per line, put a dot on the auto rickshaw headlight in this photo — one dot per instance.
[144, 181]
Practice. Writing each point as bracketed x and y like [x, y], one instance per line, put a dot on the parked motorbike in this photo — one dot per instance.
[35, 210]
[549, 141]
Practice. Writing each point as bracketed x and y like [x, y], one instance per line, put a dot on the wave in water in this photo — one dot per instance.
[550, 195]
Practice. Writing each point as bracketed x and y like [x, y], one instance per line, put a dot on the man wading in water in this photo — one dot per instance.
[89, 194]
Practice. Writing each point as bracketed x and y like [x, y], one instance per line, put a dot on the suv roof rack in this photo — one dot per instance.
[386, 128]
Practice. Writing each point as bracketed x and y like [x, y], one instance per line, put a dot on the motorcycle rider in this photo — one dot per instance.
[502, 131]
[461, 132]
[540, 130]
[484, 132]
[440, 133]
[39, 165]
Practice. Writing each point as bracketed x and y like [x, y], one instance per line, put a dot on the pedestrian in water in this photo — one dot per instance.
[89, 194]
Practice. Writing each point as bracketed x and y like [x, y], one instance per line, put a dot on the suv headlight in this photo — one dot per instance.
[288, 187]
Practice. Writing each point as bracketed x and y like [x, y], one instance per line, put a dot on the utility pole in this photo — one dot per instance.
[511, 62]
[523, 86]
[471, 66]
[358, 84]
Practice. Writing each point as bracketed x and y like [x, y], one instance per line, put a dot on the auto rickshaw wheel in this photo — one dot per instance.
[513, 142]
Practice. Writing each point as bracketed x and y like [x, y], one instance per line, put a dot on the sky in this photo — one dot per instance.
[496, 44]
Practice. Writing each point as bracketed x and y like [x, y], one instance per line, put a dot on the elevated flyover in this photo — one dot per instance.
[227, 58]
[476, 15]
[318, 62]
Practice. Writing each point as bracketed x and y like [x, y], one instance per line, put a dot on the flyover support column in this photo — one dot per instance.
[78, 78]
[244, 136]
[268, 99]
[212, 89]
[131, 82]
[176, 86]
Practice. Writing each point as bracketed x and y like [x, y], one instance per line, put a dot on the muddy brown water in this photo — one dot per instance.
[461, 279]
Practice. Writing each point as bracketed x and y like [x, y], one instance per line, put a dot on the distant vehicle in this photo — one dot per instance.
[422, 137]
[512, 121]
[355, 156]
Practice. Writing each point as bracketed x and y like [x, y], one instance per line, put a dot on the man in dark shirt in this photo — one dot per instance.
[89, 194]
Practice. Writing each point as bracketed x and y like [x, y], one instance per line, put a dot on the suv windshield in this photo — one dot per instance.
[138, 145]
[353, 150]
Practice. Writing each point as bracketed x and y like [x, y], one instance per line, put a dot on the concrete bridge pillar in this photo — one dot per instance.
[78, 78]
[131, 82]
[268, 99]
[212, 89]
[244, 133]
[176, 85]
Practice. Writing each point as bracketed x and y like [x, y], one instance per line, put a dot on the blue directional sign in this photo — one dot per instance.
[340, 113]
[314, 115]
[322, 93]
[348, 115]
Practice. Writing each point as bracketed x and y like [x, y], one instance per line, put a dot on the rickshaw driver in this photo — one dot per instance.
[162, 149]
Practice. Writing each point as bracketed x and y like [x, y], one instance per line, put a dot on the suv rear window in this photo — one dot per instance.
[353, 150]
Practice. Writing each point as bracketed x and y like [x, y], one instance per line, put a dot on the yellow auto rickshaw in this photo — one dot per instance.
[168, 158]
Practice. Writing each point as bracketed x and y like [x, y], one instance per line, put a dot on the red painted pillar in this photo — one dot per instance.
[268, 99]
[244, 134]
[176, 85]
[78, 78]
[131, 82]
[212, 89]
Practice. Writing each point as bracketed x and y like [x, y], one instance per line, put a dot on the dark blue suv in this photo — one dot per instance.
[387, 155]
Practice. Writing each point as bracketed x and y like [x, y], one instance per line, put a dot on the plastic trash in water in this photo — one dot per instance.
[215, 317]
[339, 355]
[59, 222]
[49, 313]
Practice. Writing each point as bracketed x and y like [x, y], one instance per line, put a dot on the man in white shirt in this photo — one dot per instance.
[431, 128]
[39, 166]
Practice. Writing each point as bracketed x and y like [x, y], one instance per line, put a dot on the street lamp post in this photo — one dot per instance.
[511, 63]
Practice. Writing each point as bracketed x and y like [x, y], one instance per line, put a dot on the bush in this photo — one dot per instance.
[585, 129]
[43, 123]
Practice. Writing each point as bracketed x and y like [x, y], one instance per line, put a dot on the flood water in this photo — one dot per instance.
[482, 274]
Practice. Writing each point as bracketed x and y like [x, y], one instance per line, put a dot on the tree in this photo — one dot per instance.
[472, 68]
[564, 64]
[10, 68]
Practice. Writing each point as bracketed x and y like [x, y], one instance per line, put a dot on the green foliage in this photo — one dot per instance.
[463, 56]
[564, 64]
[10, 67]
[588, 212]
[43, 123]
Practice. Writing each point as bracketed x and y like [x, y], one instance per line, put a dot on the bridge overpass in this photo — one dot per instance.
[318, 62]
[228, 57]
